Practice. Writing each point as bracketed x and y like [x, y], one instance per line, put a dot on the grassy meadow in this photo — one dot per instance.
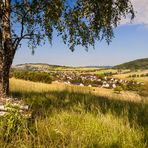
[74, 116]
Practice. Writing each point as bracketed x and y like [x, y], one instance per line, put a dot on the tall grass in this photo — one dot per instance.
[77, 117]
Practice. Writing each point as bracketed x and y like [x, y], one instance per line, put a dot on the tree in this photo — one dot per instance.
[78, 22]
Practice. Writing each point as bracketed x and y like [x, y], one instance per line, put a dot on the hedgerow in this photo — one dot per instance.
[32, 76]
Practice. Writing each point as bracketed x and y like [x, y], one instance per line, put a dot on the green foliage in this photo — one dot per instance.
[32, 76]
[138, 75]
[80, 22]
[133, 65]
[72, 119]
[93, 131]
[86, 82]
[134, 75]
[118, 89]
[13, 123]
[68, 119]
[101, 76]
[78, 80]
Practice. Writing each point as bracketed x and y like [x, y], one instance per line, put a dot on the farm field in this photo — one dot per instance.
[75, 116]
[139, 72]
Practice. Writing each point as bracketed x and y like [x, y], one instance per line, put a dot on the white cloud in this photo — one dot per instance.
[141, 15]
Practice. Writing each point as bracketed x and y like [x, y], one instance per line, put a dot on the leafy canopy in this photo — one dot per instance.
[78, 22]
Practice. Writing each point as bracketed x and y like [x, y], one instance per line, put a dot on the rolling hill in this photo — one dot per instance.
[44, 66]
[136, 64]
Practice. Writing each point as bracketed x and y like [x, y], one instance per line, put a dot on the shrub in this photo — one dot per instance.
[101, 76]
[134, 75]
[13, 123]
[118, 89]
[142, 75]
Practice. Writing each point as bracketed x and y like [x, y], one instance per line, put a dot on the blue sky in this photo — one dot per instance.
[130, 43]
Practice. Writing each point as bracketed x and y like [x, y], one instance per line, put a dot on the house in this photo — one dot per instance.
[81, 84]
[105, 85]
[89, 85]
[113, 85]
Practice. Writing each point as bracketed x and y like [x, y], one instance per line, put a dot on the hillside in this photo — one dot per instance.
[136, 64]
[42, 67]
[56, 66]
[39, 65]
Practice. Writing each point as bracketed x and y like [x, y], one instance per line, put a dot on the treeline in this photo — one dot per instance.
[31, 76]
[138, 75]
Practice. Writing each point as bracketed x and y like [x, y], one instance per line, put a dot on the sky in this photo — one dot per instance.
[130, 43]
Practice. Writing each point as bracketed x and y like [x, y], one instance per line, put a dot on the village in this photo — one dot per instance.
[102, 78]
[93, 80]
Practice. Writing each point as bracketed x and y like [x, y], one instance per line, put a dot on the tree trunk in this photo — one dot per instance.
[5, 64]
[1, 61]
[6, 49]
[1, 70]
[4, 82]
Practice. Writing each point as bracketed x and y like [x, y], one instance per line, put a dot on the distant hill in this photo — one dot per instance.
[136, 64]
[28, 66]
[39, 64]
[97, 67]
[39, 67]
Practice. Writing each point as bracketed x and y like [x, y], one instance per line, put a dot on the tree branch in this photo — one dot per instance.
[22, 23]
[19, 39]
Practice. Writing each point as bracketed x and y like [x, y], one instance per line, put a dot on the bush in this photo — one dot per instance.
[134, 75]
[13, 123]
[142, 75]
[118, 89]
[101, 76]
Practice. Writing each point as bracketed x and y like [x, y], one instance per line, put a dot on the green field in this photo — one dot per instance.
[73, 116]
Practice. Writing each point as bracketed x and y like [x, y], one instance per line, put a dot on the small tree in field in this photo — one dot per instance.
[78, 22]
[118, 89]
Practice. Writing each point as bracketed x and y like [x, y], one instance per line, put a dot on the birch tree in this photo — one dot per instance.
[78, 22]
